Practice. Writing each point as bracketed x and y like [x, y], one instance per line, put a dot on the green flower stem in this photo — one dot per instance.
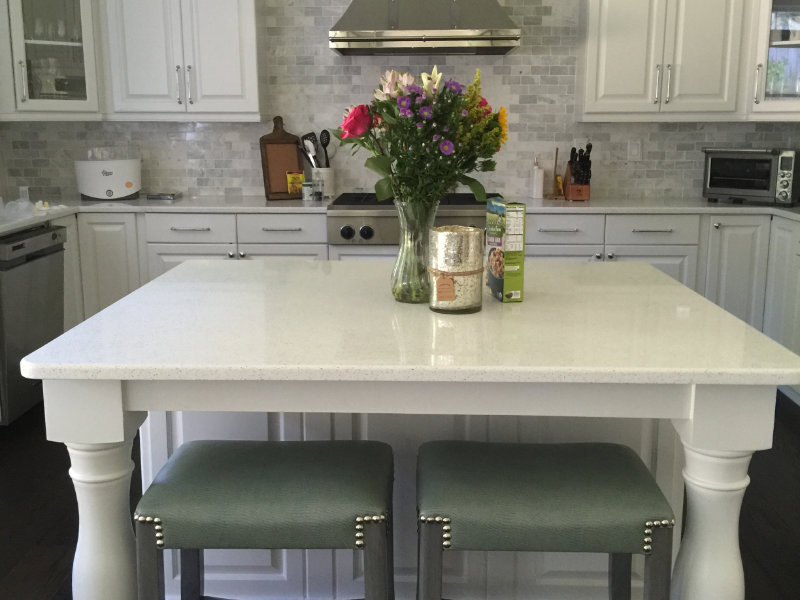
[410, 275]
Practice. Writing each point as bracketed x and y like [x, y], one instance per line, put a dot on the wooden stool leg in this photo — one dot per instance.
[390, 556]
[658, 566]
[619, 576]
[191, 574]
[429, 561]
[149, 563]
[376, 563]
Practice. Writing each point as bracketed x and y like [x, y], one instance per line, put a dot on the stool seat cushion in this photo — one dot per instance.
[250, 494]
[585, 497]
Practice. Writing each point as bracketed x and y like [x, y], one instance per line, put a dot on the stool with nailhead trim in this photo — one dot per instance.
[248, 494]
[585, 497]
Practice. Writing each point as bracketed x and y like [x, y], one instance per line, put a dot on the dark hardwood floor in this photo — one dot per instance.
[39, 514]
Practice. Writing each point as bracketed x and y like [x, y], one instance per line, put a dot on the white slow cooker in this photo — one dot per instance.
[109, 179]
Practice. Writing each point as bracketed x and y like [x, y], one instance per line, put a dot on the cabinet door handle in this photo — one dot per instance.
[667, 230]
[189, 81]
[756, 94]
[611, 256]
[669, 83]
[231, 254]
[281, 229]
[23, 76]
[190, 228]
[598, 256]
[658, 84]
[179, 81]
[558, 230]
[242, 254]
[717, 225]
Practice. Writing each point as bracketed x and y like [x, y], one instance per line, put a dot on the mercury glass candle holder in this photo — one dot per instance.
[455, 268]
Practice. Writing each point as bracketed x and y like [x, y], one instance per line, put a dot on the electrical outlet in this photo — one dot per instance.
[634, 150]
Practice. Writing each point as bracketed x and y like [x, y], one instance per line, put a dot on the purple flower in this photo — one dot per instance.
[454, 86]
[446, 147]
[419, 125]
[403, 102]
[436, 137]
[415, 89]
[419, 100]
[464, 112]
[425, 112]
[405, 112]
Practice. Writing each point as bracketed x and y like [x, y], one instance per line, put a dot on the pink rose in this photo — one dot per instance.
[356, 122]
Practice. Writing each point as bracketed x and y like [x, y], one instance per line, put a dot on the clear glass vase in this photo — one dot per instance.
[410, 275]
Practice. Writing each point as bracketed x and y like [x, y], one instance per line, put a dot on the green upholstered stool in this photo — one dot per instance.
[542, 497]
[247, 494]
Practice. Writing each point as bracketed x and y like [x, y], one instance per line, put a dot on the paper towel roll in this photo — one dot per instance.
[537, 182]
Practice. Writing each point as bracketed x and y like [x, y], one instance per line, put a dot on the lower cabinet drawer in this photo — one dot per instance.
[282, 228]
[564, 229]
[652, 229]
[190, 228]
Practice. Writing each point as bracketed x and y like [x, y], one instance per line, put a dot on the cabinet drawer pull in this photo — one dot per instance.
[281, 229]
[23, 76]
[179, 82]
[190, 228]
[667, 230]
[756, 99]
[658, 84]
[558, 230]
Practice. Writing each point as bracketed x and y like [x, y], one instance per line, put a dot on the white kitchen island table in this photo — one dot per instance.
[589, 340]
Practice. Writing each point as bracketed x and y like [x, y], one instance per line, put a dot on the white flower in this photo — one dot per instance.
[431, 82]
[388, 87]
[403, 81]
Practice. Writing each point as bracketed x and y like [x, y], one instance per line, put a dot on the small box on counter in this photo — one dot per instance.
[505, 249]
[294, 181]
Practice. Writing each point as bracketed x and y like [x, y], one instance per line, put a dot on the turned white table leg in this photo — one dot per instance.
[709, 564]
[105, 559]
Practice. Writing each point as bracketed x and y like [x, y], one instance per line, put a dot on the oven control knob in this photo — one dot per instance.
[783, 196]
[347, 232]
[366, 232]
[783, 183]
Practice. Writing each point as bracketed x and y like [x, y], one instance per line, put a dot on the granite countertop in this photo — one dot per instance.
[149, 334]
[258, 204]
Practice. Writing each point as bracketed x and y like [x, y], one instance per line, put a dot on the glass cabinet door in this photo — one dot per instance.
[53, 54]
[782, 77]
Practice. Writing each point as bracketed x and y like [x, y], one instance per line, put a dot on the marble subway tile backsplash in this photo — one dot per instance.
[310, 86]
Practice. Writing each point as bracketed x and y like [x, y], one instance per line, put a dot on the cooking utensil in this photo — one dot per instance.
[305, 154]
[311, 137]
[324, 140]
[311, 151]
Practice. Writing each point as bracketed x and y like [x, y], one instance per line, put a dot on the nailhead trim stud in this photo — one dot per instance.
[647, 541]
[447, 538]
[360, 520]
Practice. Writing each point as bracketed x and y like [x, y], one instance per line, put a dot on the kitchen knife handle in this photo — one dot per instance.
[756, 94]
[667, 230]
[190, 228]
[557, 230]
[658, 84]
[669, 83]
[179, 82]
[189, 80]
[23, 81]
[281, 229]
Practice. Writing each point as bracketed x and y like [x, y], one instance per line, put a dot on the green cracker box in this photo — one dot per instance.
[505, 249]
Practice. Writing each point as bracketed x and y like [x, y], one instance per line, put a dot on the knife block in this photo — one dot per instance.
[574, 191]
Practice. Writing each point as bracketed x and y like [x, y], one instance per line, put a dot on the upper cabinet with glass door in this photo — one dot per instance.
[776, 89]
[52, 52]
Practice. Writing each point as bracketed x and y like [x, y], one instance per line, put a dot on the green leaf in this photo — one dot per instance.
[383, 188]
[474, 185]
[381, 164]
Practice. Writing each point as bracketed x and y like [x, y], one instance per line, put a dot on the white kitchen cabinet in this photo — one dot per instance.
[664, 57]
[195, 58]
[782, 308]
[109, 258]
[736, 269]
[48, 68]
[73, 292]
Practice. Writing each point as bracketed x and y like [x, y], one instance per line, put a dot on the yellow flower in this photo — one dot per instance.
[431, 82]
[502, 118]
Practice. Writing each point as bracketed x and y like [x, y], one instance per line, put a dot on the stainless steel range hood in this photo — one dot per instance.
[424, 27]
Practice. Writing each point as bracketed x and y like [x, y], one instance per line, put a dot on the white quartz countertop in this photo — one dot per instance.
[317, 320]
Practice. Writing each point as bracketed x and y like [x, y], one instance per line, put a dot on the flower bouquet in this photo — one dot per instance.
[424, 137]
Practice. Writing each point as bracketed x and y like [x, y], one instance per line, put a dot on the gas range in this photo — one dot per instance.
[360, 218]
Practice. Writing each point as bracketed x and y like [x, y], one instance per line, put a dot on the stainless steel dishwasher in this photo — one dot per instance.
[31, 309]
